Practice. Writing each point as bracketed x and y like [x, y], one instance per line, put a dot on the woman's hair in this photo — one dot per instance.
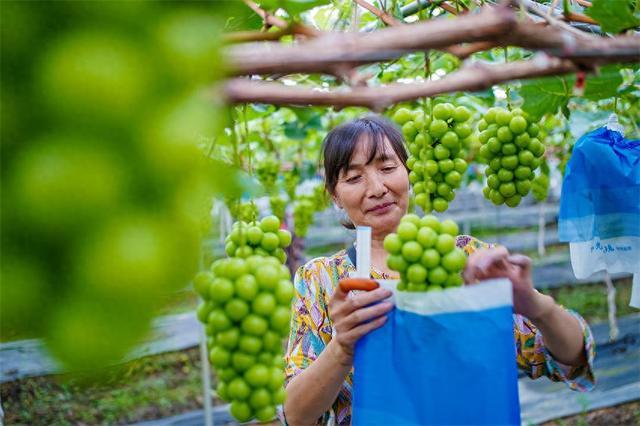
[340, 144]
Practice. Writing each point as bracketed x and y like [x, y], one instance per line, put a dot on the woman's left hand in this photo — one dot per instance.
[498, 263]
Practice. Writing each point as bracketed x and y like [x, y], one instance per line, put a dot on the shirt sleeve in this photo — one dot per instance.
[471, 244]
[305, 342]
[536, 361]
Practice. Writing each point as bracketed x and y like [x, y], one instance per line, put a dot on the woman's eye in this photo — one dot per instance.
[353, 179]
[389, 168]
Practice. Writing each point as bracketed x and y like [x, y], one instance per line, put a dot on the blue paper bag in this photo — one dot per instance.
[442, 358]
[601, 188]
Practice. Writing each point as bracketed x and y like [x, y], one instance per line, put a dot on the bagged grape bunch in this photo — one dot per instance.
[436, 158]
[396, 363]
[512, 148]
[424, 252]
[246, 312]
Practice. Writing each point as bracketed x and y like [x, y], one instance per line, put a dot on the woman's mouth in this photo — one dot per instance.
[381, 208]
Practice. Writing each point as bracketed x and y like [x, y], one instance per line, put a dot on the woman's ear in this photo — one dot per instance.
[336, 202]
[334, 198]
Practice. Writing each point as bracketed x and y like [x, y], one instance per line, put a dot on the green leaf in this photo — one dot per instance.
[295, 7]
[269, 5]
[294, 130]
[487, 96]
[259, 110]
[446, 62]
[614, 16]
[604, 85]
[544, 95]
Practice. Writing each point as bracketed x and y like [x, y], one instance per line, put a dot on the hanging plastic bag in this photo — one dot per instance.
[444, 357]
[600, 203]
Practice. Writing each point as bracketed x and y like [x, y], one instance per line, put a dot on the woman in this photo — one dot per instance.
[366, 175]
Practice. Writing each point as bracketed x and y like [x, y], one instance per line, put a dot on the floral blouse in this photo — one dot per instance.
[311, 331]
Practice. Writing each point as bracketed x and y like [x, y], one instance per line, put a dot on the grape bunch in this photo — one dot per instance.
[321, 198]
[267, 171]
[278, 206]
[291, 179]
[305, 207]
[540, 187]
[104, 185]
[264, 238]
[436, 157]
[512, 149]
[424, 252]
[242, 211]
[303, 210]
[246, 312]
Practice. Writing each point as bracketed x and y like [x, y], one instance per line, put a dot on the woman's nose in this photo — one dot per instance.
[375, 186]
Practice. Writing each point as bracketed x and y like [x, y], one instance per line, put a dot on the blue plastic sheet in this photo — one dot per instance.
[601, 188]
[451, 368]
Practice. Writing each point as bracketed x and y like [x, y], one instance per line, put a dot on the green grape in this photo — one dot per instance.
[513, 151]
[245, 212]
[402, 115]
[267, 171]
[291, 181]
[103, 166]
[305, 207]
[247, 238]
[436, 159]
[424, 252]
[540, 187]
[246, 308]
[278, 206]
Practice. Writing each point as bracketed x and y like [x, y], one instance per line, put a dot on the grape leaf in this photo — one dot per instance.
[614, 16]
[544, 95]
[604, 85]
[295, 7]
[294, 130]
[259, 110]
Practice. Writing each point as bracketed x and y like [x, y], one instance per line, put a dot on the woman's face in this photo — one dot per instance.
[374, 194]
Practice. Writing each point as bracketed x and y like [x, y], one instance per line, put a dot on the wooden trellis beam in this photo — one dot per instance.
[471, 78]
[474, 77]
[335, 50]
[492, 26]
[562, 50]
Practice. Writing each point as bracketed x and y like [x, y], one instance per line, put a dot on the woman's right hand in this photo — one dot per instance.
[355, 315]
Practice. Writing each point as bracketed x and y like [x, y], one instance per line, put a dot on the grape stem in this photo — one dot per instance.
[384, 16]
[507, 86]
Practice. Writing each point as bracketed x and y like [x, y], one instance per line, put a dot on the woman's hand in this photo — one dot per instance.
[355, 315]
[498, 263]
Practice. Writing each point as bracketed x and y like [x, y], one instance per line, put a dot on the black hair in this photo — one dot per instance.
[340, 144]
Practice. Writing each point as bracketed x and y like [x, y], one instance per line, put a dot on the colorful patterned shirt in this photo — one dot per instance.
[312, 329]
